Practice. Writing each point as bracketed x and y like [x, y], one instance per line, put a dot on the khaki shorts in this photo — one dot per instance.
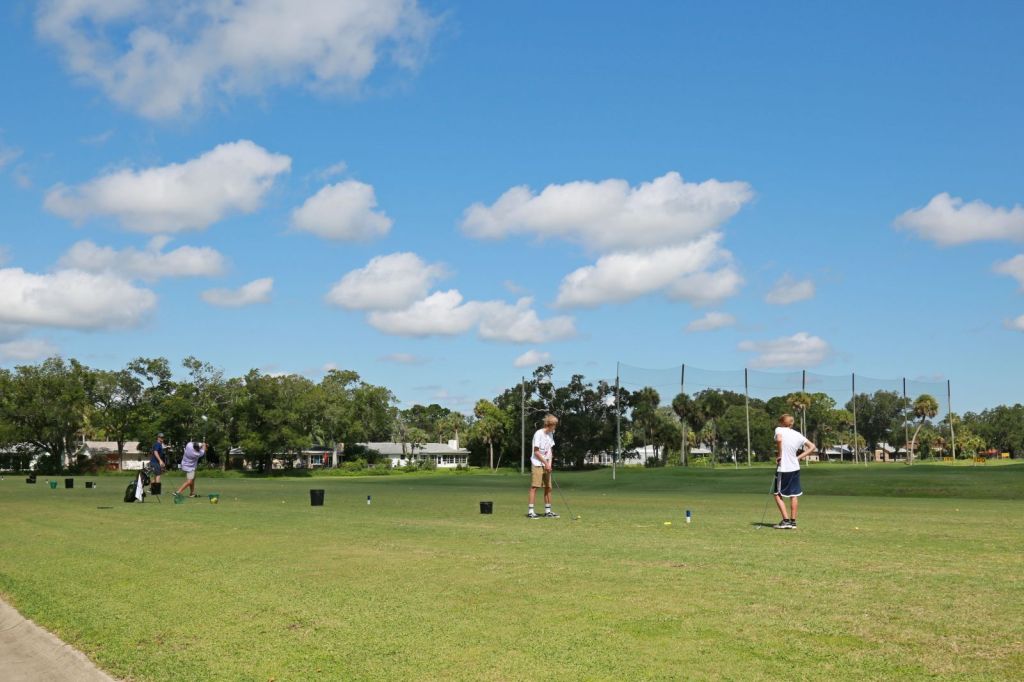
[190, 475]
[541, 478]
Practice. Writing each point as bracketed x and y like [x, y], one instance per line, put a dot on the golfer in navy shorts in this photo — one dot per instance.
[793, 447]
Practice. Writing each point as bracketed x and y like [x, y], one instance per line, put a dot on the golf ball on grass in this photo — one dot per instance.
[668, 523]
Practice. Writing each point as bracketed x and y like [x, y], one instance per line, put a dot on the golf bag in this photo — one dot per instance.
[136, 490]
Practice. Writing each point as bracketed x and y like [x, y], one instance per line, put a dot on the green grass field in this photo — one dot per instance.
[896, 572]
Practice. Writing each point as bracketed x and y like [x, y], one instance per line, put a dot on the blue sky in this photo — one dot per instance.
[776, 186]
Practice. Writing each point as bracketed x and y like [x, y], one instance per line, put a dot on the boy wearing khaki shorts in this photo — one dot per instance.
[541, 461]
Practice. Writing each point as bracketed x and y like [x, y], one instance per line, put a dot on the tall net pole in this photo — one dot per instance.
[803, 407]
[856, 445]
[522, 426]
[746, 407]
[618, 422]
[906, 427]
[686, 426]
[949, 410]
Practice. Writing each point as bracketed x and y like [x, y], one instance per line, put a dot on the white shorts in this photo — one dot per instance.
[190, 475]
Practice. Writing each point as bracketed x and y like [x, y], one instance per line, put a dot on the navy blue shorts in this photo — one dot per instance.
[787, 484]
[155, 466]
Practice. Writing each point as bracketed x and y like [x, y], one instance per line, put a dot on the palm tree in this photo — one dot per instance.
[925, 407]
[692, 417]
[799, 402]
[713, 405]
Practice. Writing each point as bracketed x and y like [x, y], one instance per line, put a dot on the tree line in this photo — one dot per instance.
[53, 406]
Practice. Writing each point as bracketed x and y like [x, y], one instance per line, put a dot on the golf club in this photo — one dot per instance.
[205, 421]
[771, 490]
[562, 496]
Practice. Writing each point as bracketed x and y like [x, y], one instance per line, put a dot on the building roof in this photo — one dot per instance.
[109, 447]
[395, 449]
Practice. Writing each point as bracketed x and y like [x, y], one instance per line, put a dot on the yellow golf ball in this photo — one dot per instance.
[668, 523]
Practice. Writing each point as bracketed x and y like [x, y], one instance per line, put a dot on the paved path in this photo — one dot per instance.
[28, 653]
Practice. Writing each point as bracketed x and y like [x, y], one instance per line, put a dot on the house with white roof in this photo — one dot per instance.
[444, 455]
[106, 451]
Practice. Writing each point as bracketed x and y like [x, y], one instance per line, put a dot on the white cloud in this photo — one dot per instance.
[706, 288]
[231, 177]
[21, 177]
[948, 221]
[711, 321]
[1013, 267]
[800, 350]
[343, 211]
[788, 290]
[333, 170]
[1016, 324]
[8, 154]
[532, 358]
[620, 277]
[98, 139]
[149, 265]
[610, 215]
[256, 291]
[72, 299]
[174, 56]
[444, 313]
[403, 359]
[27, 350]
[441, 314]
[390, 282]
[520, 323]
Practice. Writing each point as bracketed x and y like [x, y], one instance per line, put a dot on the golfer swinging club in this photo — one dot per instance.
[189, 460]
[792, 448]
[541, 461]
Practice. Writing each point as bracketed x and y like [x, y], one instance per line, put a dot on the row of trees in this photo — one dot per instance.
[53, 406]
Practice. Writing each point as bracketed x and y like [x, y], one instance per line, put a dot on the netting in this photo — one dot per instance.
[730, 415]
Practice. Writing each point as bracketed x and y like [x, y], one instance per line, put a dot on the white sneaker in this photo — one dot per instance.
[532, 515]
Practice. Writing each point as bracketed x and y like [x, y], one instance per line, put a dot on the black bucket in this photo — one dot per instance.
[89, 484]
[155, 487]
[486, 507]
[69, 483]
[316, 498]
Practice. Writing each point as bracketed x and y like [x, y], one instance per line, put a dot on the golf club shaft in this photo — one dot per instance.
[562, 496]
[771, 492]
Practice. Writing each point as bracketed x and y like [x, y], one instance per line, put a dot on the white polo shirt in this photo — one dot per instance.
[545, 442]
[792, 443]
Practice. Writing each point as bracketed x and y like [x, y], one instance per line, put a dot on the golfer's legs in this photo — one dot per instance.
[794, 502]
[533, 495]
[781, 505]
[547, 495]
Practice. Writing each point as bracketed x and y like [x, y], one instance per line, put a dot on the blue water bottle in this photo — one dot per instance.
[687, 515]
[367, 499]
